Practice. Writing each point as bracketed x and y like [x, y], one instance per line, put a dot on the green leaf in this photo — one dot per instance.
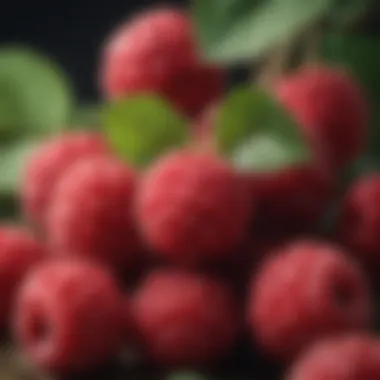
[13, 159]
[35, 97]
[360, 54]
[143, 127]
[257, 134]
[344, 13]
[231, 31]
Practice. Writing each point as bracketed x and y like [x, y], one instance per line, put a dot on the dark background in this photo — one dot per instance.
[71, 32]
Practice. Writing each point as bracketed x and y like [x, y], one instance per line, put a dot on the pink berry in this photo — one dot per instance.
[47, 166]
[19, 253]
[346, 358]
[68, 316]
[331, 110]
[193, 208]
[156, 52]
[185, 319]
[305, 291]
[359, 224]
[91, 213]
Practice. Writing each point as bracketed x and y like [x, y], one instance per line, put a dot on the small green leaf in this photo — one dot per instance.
[231, 31]
[13, 159]
[257, 134]
[35, 97]
[143, 127]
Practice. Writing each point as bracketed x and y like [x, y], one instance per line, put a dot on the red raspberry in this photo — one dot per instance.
[193, 208]
[331, 110]
[47, 166]
[91, 213]
[305, 291]
[359, 223]
[347, 358]
[19, 252]
[68, 316]
[156, 52]
[291, 200]
[185, 319]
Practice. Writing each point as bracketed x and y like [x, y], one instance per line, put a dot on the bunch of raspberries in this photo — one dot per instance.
[227, 256]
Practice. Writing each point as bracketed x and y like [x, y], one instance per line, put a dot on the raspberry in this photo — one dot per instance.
[346, 358]
[359, 224]
[156, 52]
[305, 291]
[331, 110]
[19, 252]
[68, 316]
[291, 200]
[91, 213]
[184, 318]
[47, 166]
[193, 208]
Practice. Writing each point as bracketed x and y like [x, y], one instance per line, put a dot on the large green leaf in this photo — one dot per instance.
[239, 30]
[257, 133]
[35, 97]
[143, 127]
[361, 55]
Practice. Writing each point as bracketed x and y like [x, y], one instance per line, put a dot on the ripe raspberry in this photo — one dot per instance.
[185, 319]
[91, 213]
[359, 223]
[156, 52]
[305, 291]
[290, 200]
[193, 208]
[347, 358]
[68, 316]
[47, 166]
[331, 110]
[19, 252]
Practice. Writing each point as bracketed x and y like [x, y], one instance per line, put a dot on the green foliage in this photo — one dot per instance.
[143, 127]
[345, 13]
[360, 54]
[35, 98]
[231, 31]
[35, 101]
[12, 160]
[257, 134]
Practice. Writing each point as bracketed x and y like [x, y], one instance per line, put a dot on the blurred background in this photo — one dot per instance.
[71, 32]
